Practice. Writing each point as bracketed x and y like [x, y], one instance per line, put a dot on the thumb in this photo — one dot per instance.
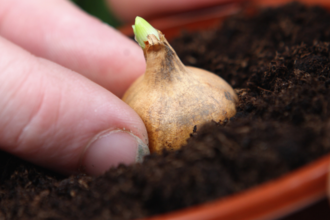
[58, 119]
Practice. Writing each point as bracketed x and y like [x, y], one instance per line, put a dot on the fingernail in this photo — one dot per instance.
[109, 149]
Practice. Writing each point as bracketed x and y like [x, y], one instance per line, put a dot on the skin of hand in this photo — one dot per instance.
[62, 73]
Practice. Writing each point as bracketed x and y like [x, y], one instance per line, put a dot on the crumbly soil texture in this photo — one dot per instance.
[278, 60]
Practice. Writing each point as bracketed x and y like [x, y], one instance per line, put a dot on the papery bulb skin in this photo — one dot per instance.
[171, 98]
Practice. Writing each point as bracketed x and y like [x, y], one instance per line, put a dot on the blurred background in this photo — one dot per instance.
[99, 9]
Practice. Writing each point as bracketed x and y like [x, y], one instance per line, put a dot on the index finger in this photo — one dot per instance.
[59, 31]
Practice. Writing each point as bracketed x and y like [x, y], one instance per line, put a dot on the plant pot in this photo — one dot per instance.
[276, 198]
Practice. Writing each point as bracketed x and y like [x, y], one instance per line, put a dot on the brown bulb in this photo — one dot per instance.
[172, 98]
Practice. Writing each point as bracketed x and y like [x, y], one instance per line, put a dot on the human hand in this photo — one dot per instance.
[57, 67]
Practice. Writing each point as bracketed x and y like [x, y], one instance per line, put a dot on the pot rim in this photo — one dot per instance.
[274, 199]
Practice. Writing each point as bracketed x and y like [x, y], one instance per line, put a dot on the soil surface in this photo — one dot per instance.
[279, 62]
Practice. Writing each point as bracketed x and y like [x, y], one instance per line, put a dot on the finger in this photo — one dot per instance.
[127, 10]
[59, 119]
[58, 31]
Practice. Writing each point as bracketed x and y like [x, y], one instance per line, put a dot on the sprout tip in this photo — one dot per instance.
[142, 29]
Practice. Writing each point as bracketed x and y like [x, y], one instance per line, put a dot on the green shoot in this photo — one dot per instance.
[142, 29]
